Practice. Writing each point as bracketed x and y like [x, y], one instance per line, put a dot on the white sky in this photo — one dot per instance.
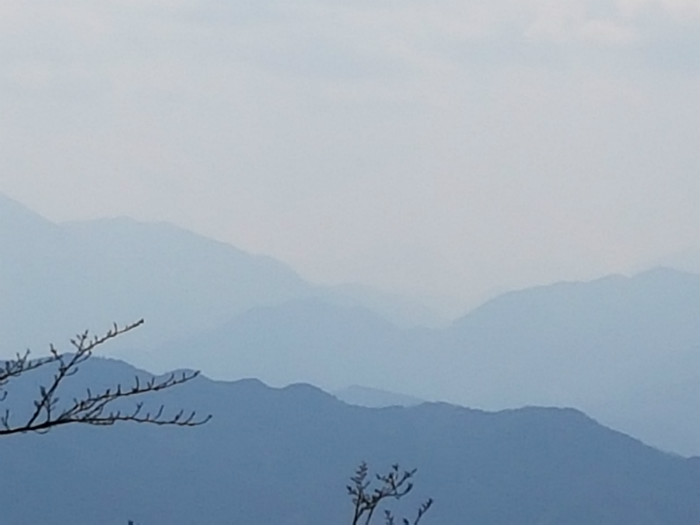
[443, 147]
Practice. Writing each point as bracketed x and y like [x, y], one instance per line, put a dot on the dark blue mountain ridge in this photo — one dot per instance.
[284, 455]
[624, 349]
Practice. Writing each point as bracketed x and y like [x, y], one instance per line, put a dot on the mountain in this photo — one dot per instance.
[285, 455]
[623, 349]
[57, 279]
[306, 340]
[90, 274]
[374, 397]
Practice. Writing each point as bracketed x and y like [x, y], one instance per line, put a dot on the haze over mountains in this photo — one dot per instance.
[94, 272]
[623, 349]
[274, 456]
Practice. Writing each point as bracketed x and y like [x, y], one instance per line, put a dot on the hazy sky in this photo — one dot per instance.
[447, 147]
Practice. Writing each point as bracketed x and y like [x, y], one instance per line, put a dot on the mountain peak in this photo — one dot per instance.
[17, 221]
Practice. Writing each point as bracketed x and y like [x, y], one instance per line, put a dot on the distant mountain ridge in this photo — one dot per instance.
[621, 348]
[273, 456]
[624, 349]
[58, 277]
[374, 397]
[93, 273]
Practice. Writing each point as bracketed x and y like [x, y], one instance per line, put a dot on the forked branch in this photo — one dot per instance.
[94, 408]
[393, 485]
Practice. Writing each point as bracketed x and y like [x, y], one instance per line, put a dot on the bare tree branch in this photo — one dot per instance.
[393, 485]
[93, 408]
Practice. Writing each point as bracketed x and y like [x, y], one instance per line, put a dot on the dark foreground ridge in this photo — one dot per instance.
[283, 456]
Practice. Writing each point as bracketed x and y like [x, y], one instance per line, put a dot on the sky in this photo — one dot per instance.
[444, 148]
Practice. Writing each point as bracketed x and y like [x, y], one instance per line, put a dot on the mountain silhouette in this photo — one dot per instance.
[623, 349]
[274, 456]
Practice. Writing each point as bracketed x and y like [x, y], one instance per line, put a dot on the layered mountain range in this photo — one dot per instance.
[284, 456]
[623, 349]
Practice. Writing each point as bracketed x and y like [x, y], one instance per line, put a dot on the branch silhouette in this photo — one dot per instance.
[93, 408]
[393, 485]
